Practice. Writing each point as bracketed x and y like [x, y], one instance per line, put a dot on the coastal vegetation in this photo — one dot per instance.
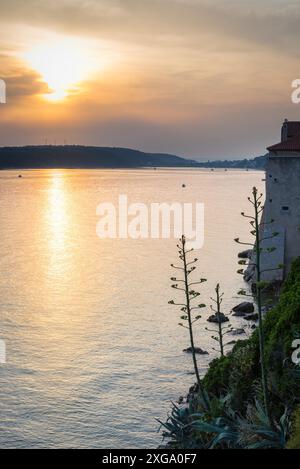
[252, 392]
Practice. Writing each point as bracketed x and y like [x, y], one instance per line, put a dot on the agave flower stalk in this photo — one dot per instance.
[257, 246]
[187, 307]
[222, 328]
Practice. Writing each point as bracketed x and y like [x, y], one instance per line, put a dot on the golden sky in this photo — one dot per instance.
[200, 78]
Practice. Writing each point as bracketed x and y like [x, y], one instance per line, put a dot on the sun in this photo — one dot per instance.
[62, 64]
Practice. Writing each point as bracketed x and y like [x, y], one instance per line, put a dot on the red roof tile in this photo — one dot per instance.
[290, 137]
[292, 144]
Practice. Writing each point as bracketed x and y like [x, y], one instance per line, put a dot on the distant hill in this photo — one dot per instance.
[70, 156]
[75, 156]
[256, 163]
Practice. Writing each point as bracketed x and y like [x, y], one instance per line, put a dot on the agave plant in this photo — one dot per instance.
[221, 431]
[251, 432]
[178, 431]
[230, 430]
[266, 436]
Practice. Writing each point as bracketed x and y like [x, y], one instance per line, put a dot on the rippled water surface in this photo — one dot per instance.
[94, 353]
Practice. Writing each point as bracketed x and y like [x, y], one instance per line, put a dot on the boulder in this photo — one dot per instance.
[239, 314]
[197, 350]
[245, 254]
[251, 317]
[218, 318]
[245, 307]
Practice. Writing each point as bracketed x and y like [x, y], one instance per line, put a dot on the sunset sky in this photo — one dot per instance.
[200, 78]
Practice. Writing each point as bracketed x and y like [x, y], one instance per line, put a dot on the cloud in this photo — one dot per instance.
[273, 23]
[21, 82]
[25, 84]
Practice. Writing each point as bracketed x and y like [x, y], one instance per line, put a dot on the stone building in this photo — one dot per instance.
[282, 202]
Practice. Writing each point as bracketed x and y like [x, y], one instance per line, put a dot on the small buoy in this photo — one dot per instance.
[20, 175]
[183, 185]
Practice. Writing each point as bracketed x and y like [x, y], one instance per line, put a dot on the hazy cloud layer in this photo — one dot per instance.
[273, 23]
[196, 77]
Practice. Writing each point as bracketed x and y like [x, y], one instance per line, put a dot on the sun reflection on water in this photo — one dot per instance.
[58, 224]
[57, 211]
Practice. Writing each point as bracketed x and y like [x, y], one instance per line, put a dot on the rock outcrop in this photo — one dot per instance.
[198, 350]
[243, 308]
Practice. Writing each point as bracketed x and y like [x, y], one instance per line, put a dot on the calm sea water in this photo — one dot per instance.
[94, 353]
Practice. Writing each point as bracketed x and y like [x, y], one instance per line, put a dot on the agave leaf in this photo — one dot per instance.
[261, 413]
[230, 437]
[206, 427]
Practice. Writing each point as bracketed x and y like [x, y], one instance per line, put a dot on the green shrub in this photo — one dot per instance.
[235, 373]
[238, 373]
[283, 322]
